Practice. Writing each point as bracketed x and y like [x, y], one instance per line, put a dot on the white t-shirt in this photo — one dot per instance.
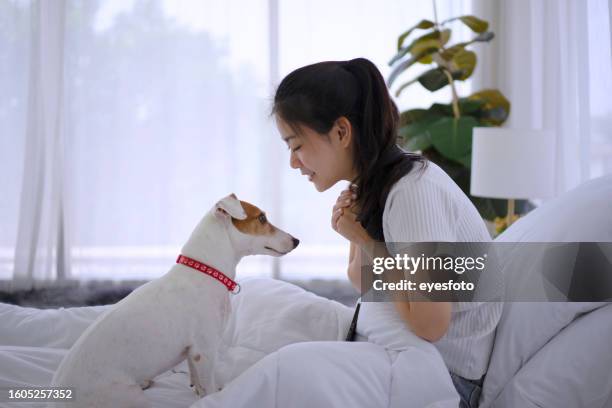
[427, 206]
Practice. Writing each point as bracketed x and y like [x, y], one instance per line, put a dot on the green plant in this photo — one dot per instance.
[443, 132]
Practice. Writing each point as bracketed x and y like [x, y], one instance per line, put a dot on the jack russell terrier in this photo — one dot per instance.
[176, 317]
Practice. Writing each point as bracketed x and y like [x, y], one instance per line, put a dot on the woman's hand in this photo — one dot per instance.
[345, 200]
[344, 219]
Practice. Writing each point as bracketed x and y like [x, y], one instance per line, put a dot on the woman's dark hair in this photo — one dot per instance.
[317, 95]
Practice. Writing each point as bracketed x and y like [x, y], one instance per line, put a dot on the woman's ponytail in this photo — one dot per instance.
[378, 114]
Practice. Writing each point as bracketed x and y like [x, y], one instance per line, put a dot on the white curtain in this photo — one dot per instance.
[40, 249]
[135, 118]
[123, 121]
[15, 38]
[551, 58]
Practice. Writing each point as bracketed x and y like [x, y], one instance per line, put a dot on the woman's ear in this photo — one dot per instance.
[344, 131]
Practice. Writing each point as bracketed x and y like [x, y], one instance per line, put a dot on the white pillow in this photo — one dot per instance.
[524, 328]
[268, 314]
[573, 370]
[52, 328]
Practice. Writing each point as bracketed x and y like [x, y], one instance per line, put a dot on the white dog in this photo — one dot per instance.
[178, 316]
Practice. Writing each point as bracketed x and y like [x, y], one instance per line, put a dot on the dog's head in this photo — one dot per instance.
[249, 229]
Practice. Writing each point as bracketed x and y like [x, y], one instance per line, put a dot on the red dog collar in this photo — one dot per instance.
[209, 270]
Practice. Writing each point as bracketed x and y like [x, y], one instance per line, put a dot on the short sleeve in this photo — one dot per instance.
[419, 210]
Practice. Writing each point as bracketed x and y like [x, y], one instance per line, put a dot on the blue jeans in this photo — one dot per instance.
[469, 391]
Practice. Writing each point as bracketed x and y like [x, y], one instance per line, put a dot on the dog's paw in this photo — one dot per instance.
[199, 391]
[146, 384]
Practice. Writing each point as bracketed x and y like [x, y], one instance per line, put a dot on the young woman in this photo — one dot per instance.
[340, 123]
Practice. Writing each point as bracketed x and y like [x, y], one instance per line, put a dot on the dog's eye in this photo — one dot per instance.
[262, 218]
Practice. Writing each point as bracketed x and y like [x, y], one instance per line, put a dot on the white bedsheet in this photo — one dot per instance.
[34, 366]
[280, 349]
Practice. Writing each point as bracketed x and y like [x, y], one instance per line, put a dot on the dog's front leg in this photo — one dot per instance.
[193, 359]
[146, 384]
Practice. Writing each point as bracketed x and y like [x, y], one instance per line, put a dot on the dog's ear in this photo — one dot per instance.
[230, 206]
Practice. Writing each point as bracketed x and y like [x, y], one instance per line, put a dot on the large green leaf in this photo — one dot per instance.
[423, 25]
[477, 25]
[411, 116]
[466, 160]
[466, 107]
[401, 67]
[455, 170]
[441, 37]
[464, 62]
[450, 52]
[458, 60]
[402, 51]
[474, 23]
[418, 143]
[434, 40]
[495, 109]
[414, 134]
[452, 137]
[418, 127]
[435, 79]
[423, 49]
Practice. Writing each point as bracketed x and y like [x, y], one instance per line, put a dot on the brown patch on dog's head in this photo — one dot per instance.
[256, 222]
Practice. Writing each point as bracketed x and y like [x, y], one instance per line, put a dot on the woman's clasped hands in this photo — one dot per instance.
[344, 217]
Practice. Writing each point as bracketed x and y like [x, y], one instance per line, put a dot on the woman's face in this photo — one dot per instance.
[324, 158]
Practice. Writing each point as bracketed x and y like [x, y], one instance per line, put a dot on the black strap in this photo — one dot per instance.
[353, 329]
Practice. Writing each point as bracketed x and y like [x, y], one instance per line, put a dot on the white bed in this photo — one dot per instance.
[282, 349]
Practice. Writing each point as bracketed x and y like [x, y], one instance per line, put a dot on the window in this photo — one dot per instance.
[164, 108]
[600, 72]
